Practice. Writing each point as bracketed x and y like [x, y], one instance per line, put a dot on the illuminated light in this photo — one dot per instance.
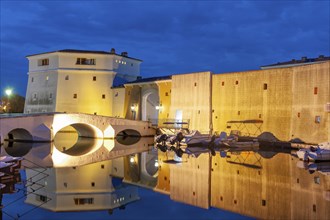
[8, 92]
[132, 160]
[133, 107]
[156, 164]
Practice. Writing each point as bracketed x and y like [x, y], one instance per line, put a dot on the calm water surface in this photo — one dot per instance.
[132, 180]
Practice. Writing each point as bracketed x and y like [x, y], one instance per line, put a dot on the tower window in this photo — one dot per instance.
[315, 90]
[166, 93]
[85, 61]
[103, 96]
[67, 77]
[43, 62]
[75, 95]
[236, 82]
[32, 79]
[94, 78]
[222, 83]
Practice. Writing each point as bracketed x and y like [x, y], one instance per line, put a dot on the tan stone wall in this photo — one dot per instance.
[262, 95]
[191, 93]
[309, 103]
[287, 106]
[164, 99]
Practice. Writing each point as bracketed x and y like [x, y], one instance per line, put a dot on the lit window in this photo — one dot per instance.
[82, 201]
[43, 62]
[85, 61]
[47, 78]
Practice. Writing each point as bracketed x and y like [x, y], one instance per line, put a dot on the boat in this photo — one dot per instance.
[320, 152]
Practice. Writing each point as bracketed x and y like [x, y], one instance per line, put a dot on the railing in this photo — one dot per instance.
[170, 123]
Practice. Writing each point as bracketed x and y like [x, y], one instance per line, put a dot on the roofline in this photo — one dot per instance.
[83, 51]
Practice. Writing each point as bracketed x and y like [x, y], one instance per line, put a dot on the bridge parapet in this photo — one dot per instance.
[43, 127]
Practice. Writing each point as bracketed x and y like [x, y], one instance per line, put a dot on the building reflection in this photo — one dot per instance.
[82, 188]
[248, 183]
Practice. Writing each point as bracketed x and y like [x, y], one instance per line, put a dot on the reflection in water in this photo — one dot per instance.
[17, 149]
[86, 187]
[262, 184]
[247, 183]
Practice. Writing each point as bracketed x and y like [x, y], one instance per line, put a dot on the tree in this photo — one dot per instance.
[15, 104]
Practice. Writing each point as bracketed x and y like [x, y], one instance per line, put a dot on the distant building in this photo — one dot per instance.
[76, 80]
[294, 62]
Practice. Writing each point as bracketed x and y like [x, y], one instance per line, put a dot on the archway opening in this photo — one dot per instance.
[76, 140]
[150, 106]
[19, 134]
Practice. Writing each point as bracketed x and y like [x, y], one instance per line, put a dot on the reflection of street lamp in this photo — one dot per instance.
[8, 93]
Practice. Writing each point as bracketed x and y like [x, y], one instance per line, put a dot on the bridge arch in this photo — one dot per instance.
[19, 134]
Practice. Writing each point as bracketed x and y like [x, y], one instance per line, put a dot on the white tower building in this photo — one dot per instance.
[76, 80]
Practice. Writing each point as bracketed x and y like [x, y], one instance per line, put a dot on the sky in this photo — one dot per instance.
[171, 37]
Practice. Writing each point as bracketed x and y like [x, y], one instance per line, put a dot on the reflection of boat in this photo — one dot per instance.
[320, 152]
[322, 167]
[196, 143]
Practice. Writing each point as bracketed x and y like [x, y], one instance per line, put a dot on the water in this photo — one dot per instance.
[135, 181]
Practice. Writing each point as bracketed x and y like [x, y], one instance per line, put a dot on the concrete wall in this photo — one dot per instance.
[92, 96]
[118, 102]
[282, 98]
[309, 103]
[244, 96]
[191, 93]
[165, 94]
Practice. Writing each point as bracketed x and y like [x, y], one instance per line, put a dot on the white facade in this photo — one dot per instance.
[76, 81]
[86, 187]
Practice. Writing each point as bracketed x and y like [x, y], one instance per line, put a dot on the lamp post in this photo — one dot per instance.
[8, 93]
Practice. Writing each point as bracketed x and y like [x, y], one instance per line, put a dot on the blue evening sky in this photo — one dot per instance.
[171, 37]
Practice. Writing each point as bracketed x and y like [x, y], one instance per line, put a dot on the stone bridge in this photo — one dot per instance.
[42, 127]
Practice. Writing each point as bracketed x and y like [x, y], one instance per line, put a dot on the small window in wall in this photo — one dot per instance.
[195, 84]
[166, 93]
[65, 185]
[116, 95]
[236, 82]
[47, 78]
[32, 79]
[317, 119]
[94, 78]
[263, 202]
[67, 77]
[239, 112]
[75, 95]
[92, 184]
[265, 86]
[103, 96]
[43, 62]
[259, 115]
[34, 96]
[50, 95]
[131, 64]
[222, 83]
[315, 90]
[298, 114]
